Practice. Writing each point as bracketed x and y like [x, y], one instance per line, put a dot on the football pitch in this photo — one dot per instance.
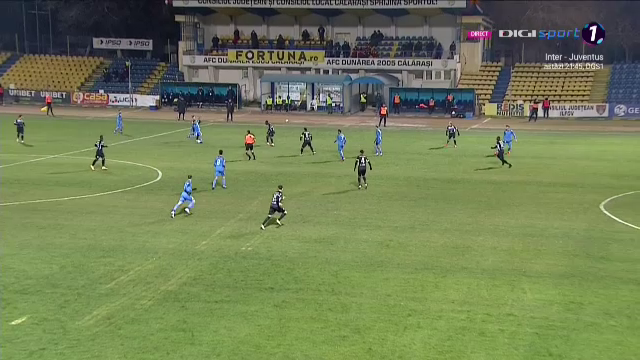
[447, 255]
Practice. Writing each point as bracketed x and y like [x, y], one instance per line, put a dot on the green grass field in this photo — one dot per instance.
[436, 260]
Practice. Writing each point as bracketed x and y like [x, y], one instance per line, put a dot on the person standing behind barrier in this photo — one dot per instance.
[396, 103]
[230, 108]
[383, 115]
[363, 102]
[329, 104]
[449, 104]
[534, 111]
[49, 101]
[546, 104]
[379, 101]
[279, 103]
[288, 103]
[182, 108]
[432, 105]
[269, 103]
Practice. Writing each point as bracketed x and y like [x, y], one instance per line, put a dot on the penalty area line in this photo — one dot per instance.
[478, 124]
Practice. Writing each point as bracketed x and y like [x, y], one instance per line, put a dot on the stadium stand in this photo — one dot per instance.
[623, 85]
[502, 84]
[96, 76]
[483, 81]
[118, 82]
[531, 81]
[50, 72]
[153, 79]
[600, 87]
[172, 74]
[386, 47]
[7, 60]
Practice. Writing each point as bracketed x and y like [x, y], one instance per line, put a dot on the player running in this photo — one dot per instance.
[341, 140]
[451, 132]
[192, 131]
[509, 137]
[499, 147]
[306, 138]
[221, 166]
[276, 207]
[99, 153]
[378, 141]
[249, 141]
[361, 164]
[197, 132]
[119, 126]
[271, 132]
[19, 123]
[187, 190]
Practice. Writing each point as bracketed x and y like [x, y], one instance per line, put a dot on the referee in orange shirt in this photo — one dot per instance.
[249, 140]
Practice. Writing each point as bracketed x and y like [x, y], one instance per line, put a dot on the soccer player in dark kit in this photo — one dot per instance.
[499, 147]
[276, 207]
[19, 123]
[271, 132]
[452, 130]
[361, 164]
[99, 153]
[306, 138]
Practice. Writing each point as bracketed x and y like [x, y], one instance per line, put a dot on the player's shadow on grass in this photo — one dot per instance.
[66, 172]
[323, 162]
[489, 156]
[340, 192]
[27, 145]
[437, 148]
[487, 168]
[126, 135]
[287, 156]
[238, 160]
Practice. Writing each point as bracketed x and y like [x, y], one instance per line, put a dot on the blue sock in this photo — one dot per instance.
[342, 154]
[224, 183]
[175, 208]
[214, 182]
[192, 204]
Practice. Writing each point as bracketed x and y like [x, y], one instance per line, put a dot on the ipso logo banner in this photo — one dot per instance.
[625, 111]
[541, 34]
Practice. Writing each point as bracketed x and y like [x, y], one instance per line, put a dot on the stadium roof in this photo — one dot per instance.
[470, 10]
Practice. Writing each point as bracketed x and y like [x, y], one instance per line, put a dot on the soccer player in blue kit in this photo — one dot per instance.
[378, 141]
[221, 166]
[197, 132]
[509, 136]
[187, 190]
[119, 126]
[192, 132]
[341, 140]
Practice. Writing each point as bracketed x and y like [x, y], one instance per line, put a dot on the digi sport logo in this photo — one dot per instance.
[620, 110]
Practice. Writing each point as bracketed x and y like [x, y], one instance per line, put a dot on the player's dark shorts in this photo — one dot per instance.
[248, 147]
[500, 155]
[20, 130]
[306, 143]
[100, 154]
[452, 135]
[276, 209]
[362, 171]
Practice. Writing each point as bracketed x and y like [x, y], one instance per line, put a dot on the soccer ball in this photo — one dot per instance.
[286, 120]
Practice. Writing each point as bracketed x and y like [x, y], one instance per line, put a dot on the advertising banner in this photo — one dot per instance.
[296, 91]
[122, 44]
[35, 97]
[624, 111]
[323, 4]
[95, 99]
[513, 110]
[578, 110]
[329, 63]
[278, 57]
[134, 100]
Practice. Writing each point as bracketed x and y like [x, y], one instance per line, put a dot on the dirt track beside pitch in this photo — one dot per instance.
[254, 116]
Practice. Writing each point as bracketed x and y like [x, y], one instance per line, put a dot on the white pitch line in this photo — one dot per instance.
[476, 125]
[19, 321]
[602, 204]
[92, 195]
[91, 148]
